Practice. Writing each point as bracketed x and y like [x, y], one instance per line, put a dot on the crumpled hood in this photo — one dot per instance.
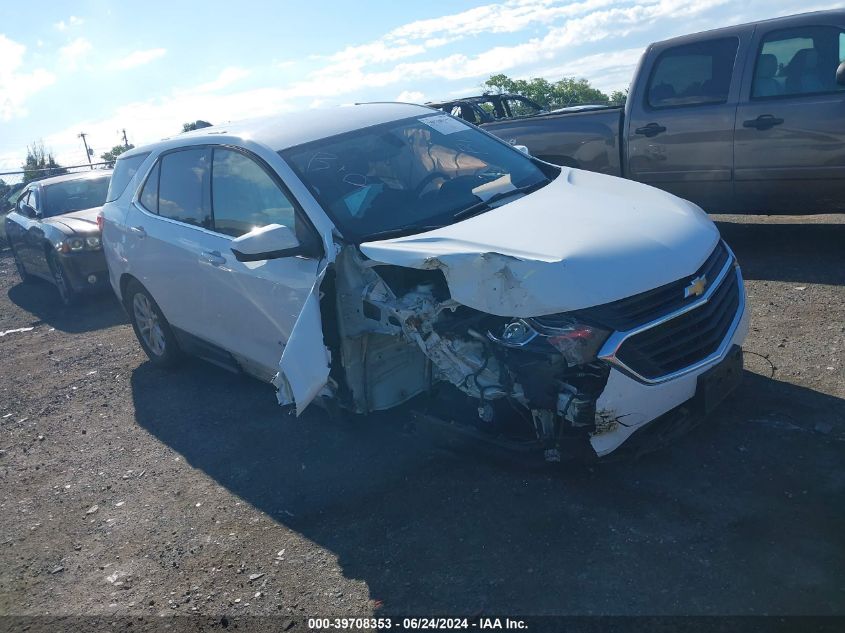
[83, 222]
[583, 240]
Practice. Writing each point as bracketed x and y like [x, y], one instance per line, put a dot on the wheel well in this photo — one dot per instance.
[125, 278]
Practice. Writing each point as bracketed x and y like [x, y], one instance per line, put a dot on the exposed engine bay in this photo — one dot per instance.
[397, 333]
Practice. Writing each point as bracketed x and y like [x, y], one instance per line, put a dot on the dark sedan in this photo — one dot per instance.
[54, 235]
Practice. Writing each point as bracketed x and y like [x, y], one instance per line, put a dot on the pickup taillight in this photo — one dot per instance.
[100, 221]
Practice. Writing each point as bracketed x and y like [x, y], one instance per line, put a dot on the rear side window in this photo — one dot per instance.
[149, 194]
[799, 61]
[693, 74]
[124, 169]
[184, 187]
[245, 197]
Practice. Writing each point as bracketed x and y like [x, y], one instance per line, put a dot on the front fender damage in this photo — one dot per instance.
[395, 332]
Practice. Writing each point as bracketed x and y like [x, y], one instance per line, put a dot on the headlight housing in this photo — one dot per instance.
[578, 342]
[76, 244]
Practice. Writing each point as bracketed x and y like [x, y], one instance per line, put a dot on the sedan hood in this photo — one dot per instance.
[83, 222]
[583, 240]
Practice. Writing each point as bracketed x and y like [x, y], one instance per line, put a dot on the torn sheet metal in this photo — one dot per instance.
[304, 366]
[583, 240]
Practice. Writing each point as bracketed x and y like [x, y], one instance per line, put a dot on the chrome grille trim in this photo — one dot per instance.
[611, 347]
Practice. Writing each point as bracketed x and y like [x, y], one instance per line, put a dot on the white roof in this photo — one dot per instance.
[286, 130]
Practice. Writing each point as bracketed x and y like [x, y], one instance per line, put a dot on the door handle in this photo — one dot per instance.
[139, 231]
[212, 257]
[763, 122]
[652, 129]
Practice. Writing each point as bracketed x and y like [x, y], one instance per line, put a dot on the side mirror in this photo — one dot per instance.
[268, 242]
[27, 209]
[523, 149]
[840, 74]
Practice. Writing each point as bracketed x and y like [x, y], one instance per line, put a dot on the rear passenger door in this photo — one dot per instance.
[681, 122]
[167, 223]
[790, 127]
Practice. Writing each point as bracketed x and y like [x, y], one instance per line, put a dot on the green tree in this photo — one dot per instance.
[196, 125]
[111, 155]
[4, 188]
[559, 94]
[40, 163]
[619, 97]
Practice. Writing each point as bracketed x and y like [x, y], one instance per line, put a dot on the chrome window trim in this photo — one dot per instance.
[611, 347]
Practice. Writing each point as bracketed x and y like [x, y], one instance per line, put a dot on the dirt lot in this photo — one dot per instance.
[128, 490]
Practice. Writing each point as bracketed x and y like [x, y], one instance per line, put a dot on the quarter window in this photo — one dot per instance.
[693, 74]
[183, 187]
[149, 194]
[245, 197]
[798, 61]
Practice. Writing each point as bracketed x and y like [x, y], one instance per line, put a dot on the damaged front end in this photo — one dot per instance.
[394, 333]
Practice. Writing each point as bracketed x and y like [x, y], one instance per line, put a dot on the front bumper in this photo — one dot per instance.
[85, 271]
[627, 405]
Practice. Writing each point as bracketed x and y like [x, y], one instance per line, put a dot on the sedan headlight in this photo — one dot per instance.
[92, 242]
[75, 244]
[577, 342]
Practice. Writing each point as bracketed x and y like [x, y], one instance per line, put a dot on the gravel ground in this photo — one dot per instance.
[133, 491]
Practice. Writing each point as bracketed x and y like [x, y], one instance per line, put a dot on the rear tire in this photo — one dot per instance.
[151, 328]
[67, 295]
[25, 276]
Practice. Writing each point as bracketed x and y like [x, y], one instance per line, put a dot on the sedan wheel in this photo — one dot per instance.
[66, 292]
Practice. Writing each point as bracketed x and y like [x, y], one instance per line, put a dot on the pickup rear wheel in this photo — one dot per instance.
[152, 329]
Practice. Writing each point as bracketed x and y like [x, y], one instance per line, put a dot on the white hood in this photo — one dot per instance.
[583, 240]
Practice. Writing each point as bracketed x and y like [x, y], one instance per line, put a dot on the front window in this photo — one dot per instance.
[411, 175]
[693, 74]
[74, 195]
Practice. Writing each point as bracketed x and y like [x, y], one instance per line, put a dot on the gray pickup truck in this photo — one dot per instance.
[746, 119]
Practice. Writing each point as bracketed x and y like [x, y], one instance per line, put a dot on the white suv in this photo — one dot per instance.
[364, 254]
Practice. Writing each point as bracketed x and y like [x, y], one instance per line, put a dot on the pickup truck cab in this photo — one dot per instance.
[746, 118]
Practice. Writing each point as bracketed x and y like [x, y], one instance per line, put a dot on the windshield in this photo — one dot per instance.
[411, 175]
[74, 195]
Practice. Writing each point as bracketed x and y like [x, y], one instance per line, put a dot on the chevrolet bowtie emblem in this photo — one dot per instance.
[696, 287]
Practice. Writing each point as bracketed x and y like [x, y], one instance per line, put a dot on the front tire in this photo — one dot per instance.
[67, 295]
[151, 328]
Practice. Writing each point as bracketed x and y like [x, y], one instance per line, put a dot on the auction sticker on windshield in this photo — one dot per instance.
[444, 124]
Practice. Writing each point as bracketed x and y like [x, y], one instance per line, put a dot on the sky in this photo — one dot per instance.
[100, 66]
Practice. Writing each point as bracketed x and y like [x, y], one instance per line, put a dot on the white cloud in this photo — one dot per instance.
[138, 58]
[72, 21]
[227, 77]
[16, 87]
[72, 54]
[411, 96]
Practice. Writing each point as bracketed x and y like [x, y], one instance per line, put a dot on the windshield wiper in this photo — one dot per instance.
[484, 205]
[400, 232]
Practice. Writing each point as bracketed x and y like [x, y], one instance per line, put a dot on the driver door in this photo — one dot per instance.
[250, 308]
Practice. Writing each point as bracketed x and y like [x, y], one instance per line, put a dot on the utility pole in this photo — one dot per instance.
[82, 135]
[125, 141]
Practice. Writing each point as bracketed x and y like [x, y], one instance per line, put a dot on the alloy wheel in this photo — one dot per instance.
[149, 325]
